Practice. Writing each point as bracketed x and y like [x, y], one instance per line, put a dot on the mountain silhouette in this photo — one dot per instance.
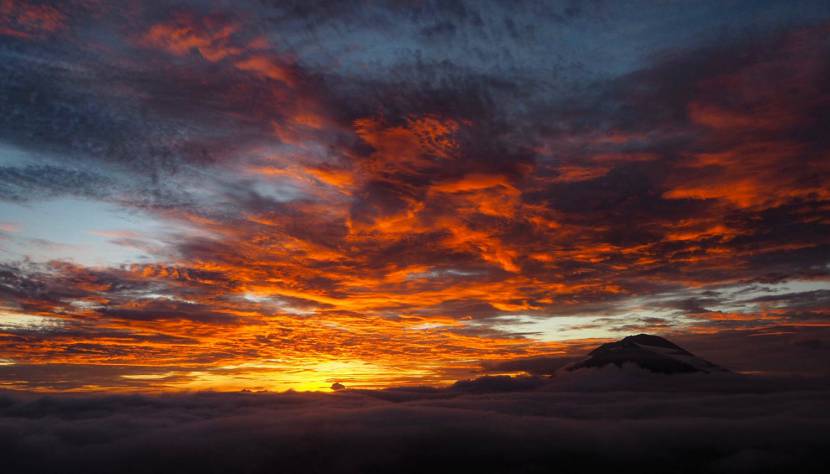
[648, 352]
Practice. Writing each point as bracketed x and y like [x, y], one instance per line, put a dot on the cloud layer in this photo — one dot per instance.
[724, 427]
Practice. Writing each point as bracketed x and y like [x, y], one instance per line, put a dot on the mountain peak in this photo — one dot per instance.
[651, 340]
[648, 352]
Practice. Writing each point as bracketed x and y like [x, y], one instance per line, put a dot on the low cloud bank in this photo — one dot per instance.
[562, 426]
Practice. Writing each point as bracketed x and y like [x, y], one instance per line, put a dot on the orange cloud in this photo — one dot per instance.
[407, 234]
[22, 19]
[267, 67]
[210, 36]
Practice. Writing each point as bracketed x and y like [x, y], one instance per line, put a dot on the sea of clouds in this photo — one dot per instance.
[603, 421]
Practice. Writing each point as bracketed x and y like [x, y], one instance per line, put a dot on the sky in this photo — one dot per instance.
[282, 195]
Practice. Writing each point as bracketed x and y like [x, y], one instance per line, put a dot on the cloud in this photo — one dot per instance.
[498, 383]
[21, 183]
[419, 181]
[716, 431]
[22, 19]
[534, 365]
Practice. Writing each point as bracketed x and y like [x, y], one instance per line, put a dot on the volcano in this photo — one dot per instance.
[648, 352]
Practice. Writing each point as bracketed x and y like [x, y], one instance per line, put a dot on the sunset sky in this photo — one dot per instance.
[282, 195]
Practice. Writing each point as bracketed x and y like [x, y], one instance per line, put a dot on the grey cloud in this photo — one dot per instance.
[24, 183]
[525, 431]
[533, 365]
